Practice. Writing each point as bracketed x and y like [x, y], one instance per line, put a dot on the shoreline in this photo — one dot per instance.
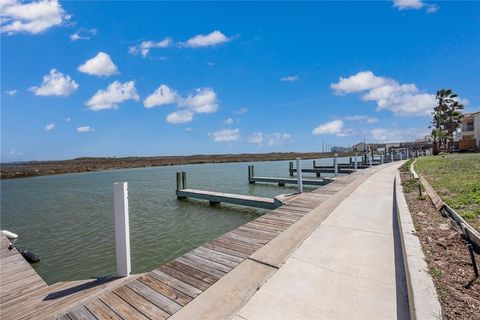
[87, 164]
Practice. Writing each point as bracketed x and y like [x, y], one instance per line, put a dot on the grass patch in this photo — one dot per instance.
[406, 166]
[409, 185]
[435, 272]
[456, 179]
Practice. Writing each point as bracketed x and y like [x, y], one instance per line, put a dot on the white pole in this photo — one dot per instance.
[401, 158]
[391, 156]
[356, 162]
[335, 164]
[122, 228]
[370, 159]
[381, 158]
[299, 177]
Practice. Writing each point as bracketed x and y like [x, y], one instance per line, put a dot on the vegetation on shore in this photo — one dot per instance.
[42, 168]
[456, 179]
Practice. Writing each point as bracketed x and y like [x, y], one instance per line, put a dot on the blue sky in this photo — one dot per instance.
[123, 78]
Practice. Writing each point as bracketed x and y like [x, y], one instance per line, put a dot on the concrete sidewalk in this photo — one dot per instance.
[350, 267]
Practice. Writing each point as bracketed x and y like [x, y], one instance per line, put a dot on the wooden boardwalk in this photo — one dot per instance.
[165, 290]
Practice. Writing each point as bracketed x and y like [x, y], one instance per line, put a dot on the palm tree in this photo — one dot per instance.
[446, 119]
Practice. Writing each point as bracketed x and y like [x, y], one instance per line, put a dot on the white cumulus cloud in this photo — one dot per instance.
[361, 81]
[361, 119]
[289, 78]
[204, 100]
[101, 65]
[414, 5]
[389, 94]
[211, 39]
[269, 139]
[50, 126]
[397, 135]
[240, 111]
[144, 47]
[226, 135]
[116, 93]
[163, 95]
[229, 121]
[335, 127]
[82, 34]
[182, 116]
[55, 84]
[32, 17]
[83, 129]
[11, 93]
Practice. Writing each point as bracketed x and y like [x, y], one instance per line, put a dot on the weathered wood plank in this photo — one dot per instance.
[148, 309]
[175, 283]
[81, 313]
[215, 257]
[226, 256]
[162, 288]
[101, 311]
[212, 266]
[157, 299]
[222, 249]
[121, 307]
[194, 282]
[194, 272]
[202, 267]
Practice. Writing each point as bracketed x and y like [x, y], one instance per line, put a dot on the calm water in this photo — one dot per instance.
[68, 219]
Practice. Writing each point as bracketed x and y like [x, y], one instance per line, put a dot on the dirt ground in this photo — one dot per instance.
[447, 256]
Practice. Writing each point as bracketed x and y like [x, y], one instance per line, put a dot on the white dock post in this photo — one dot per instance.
[356, 165]
[391, 156]
[299, 177]
[370, 159]
[381, 158]
[122, 228]
[401, 158]
[335, 164]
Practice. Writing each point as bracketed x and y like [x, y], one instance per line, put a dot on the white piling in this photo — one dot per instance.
[381, 158]
[335, 164]
[299, 177]
[401, 158]
[356, 166]
[122, 228]
[370, 160]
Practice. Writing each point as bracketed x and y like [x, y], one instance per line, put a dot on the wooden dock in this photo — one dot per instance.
[164, 291]
[284, 181]
[318, 171]
[237, 199]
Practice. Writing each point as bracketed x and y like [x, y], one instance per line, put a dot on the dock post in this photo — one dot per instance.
[356, 165]
[381, 158]
[184, 180]
[299, 176]
[401, 158]
[314, 164]
[179, 181]
[291, 168]
[391, 156]
[370, 159]
[335, 164]
[122, 228]
[250, 174]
